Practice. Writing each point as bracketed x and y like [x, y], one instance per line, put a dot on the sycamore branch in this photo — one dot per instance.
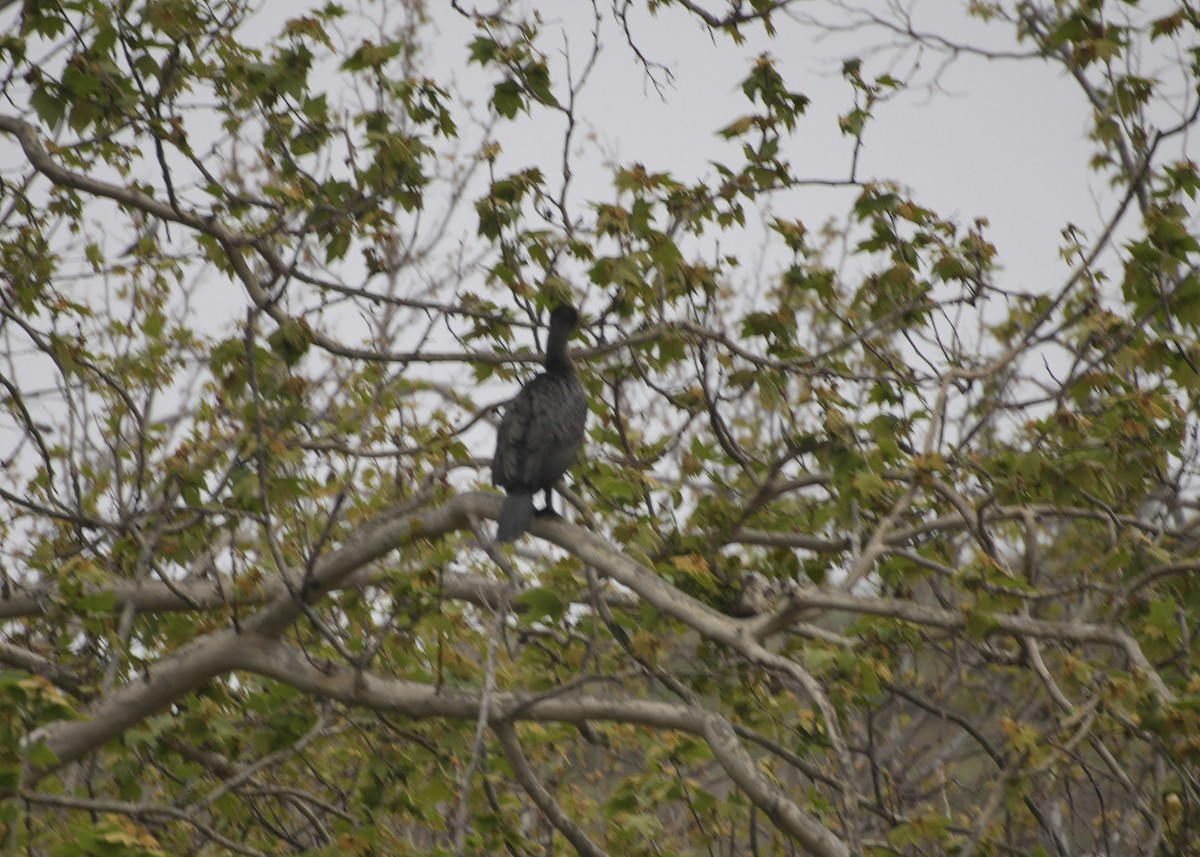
[955, 620]
[288, 664]
[541, 796]
[224, 651]
[146, 811]
[155, 596]
[235, 244]
[217, 653]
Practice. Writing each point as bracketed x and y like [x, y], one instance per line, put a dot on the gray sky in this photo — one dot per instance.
[1001, 139]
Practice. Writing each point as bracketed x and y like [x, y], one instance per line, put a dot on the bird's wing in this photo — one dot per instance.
[512, 440]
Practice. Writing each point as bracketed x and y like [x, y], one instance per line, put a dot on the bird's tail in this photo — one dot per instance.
[515, 517]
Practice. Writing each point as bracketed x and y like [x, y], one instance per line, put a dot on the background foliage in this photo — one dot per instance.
[871, 549]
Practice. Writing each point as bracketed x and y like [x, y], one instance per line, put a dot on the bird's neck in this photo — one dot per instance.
[558, 355]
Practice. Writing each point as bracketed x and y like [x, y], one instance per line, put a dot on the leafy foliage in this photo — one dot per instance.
[872, 550]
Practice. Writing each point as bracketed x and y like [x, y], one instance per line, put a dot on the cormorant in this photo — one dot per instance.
[541, 432]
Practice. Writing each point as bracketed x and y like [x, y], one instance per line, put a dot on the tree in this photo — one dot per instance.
[871, 549]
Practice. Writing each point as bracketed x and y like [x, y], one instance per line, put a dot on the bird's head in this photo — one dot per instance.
[565, 318]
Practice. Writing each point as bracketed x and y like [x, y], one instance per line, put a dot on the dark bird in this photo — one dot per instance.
[541, 432]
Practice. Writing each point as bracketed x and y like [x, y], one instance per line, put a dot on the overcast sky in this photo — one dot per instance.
[1002, 139]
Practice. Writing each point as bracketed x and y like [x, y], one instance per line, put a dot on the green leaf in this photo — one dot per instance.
[1162, 621]
[739, 127]
[49, 109]
[979, 623]
[507, 98]
[99, 602]
[291, 340]
[541, 604]
[39, 755]
[369, 55]
[483, 50]
[1168, 25]
[65, 353]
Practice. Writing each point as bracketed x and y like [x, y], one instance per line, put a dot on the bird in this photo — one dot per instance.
[541, 432]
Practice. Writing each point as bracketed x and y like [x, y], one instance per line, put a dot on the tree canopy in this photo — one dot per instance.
[873, 548]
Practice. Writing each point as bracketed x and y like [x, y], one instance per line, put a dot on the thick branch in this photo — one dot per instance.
[952, 620]
[208, 656]
[213, 654]
[155, 596]
[743, 770]
[539, 793]
[256, 649]
[287, 664]
[171, 678]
